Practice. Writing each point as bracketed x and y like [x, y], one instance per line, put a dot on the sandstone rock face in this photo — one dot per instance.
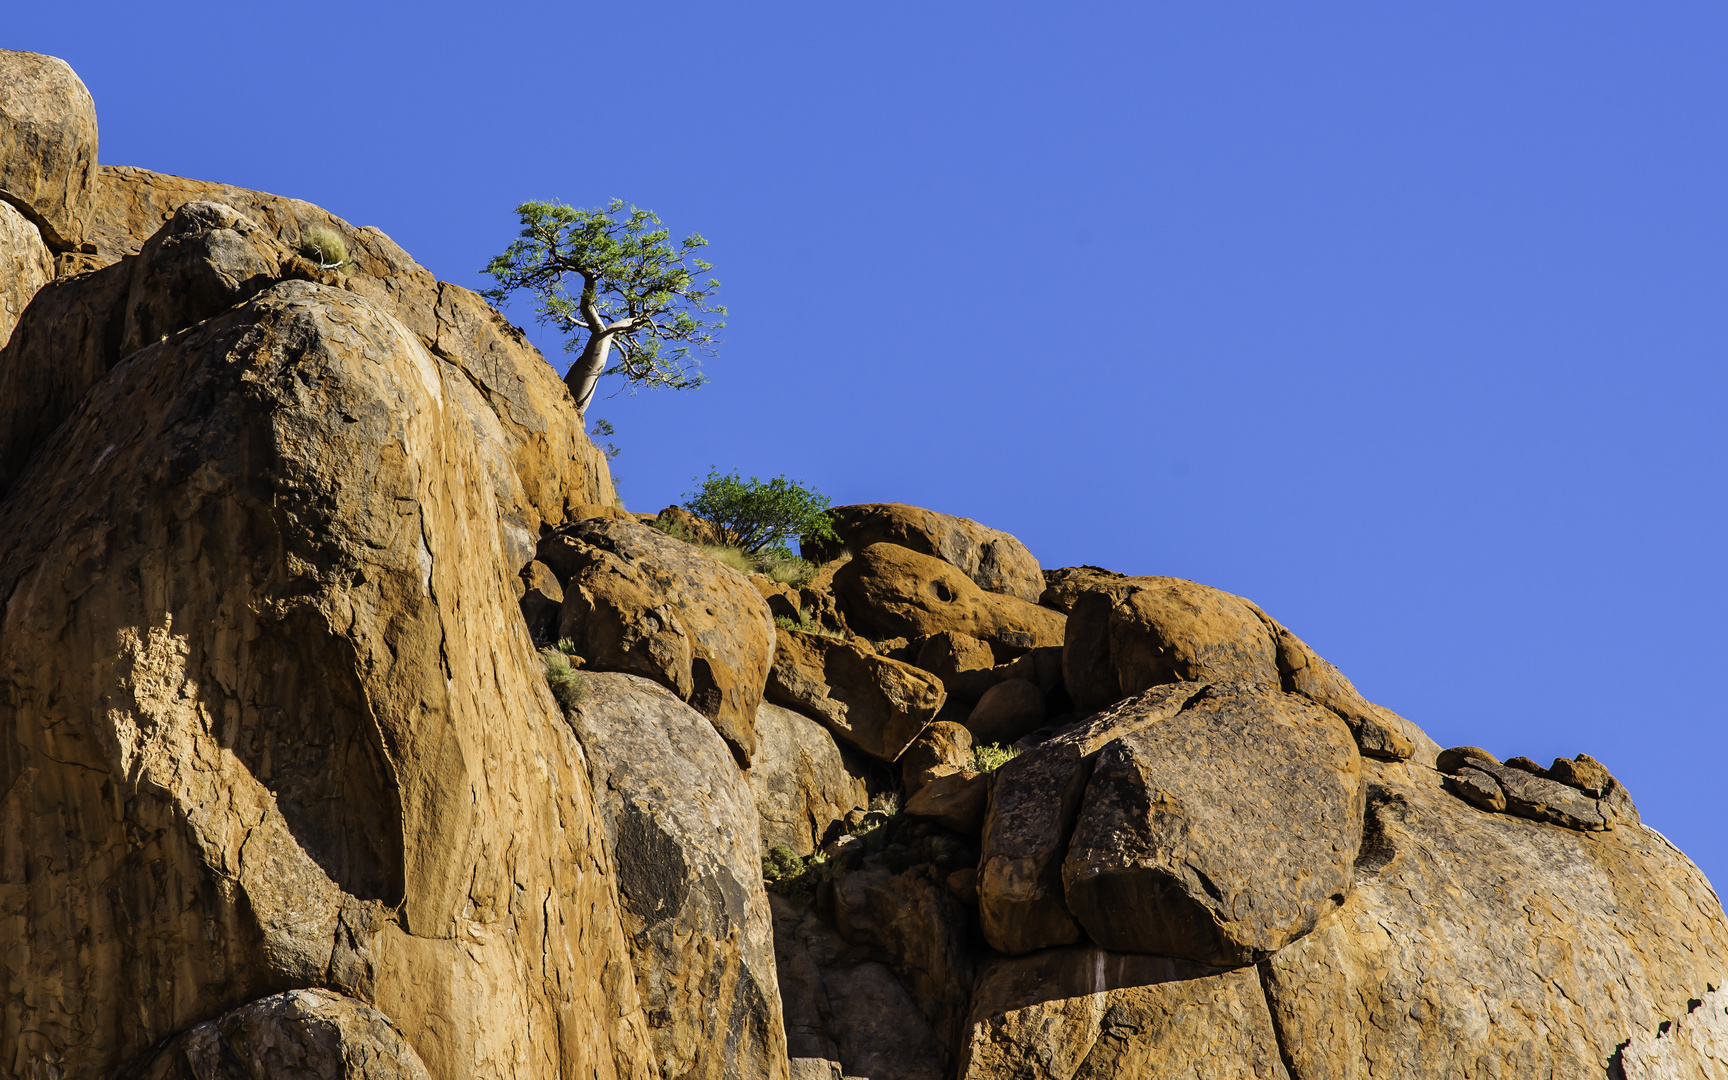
[955, 800]
[641, 602]
[299, 1035]
[876, 704]
[47, 145]
[270, 717]
[1085, 1014]
[995, 561]
[943, 747]
[1008, 710]
[1597, 936]
[897, 592]
[800, 779]
[1690, 1046]
[26, 265]
[1064, 586]
[681, 825]
[1034, 803]
[1218, 835]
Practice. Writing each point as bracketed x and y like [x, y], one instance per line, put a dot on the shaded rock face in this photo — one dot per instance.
[638, 601]
[681, 826]
[801, 780]
[993, 560]
[1068, 1014]
[47, 146]
[248, 739]
[300, 1035]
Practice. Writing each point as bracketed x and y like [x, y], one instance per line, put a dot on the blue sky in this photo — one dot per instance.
[1406, 322]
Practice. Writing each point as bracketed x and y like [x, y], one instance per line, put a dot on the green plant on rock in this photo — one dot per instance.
[324, 247]
[888, 802]
[992, 756]
[785, 873]
[760, 516]
[806, 623]
[559, 665]
[787, 570]
[636, 294]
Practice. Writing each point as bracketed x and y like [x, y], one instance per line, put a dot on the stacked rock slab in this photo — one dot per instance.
[993, 560]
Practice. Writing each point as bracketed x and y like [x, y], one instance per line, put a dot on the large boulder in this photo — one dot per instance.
[876, 704]
[992, 559]
[681, 827]
[26, 265]
[893, 591]
[47, 146]
[1086, 1014]
[1034, 803]
[1490, 945]
[299, 1035]
[269, 717]
[641, 602]
[801, 780]
[1221, 834]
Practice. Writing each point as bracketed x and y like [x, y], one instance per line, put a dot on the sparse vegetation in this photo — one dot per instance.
[559, 664]
[805, 623]
[992, 756]
[888, 802]
[786, 873]
[325, 248]
[760, 516]
[789, 571]
[728, 556]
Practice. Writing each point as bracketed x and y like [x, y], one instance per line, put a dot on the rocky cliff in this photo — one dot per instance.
[285, 789]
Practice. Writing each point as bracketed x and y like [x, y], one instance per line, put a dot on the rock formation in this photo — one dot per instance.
[349, 728]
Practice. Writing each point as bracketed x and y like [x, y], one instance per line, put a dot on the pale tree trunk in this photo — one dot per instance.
[584, 374]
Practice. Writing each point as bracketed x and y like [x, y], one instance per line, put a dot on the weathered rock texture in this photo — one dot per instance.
[270, 716]
[876, 704]
[801, 780]
[681, 826]
[47, 145]
[299, 1035]
[26, 265]
[995, 561]
[638, 601]
[894, 591]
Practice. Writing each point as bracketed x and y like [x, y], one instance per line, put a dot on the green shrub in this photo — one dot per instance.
[783, 872]
[761, 515]
[325, 248]
[992, 756]
[787, 571]
[671, 527]
[888, 802]
[567, 684]
[806, 624]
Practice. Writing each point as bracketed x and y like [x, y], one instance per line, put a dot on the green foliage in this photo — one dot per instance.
[324, 247]
[992, 756]
[785, 873]
[671, 527]
[566, 682]
[635, 291]
[600, 429]
[807, 624]
[888, 802]
[761, 516]
[786, 569]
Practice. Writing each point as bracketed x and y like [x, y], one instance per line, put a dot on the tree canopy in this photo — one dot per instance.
[760, 515]
[636, 293]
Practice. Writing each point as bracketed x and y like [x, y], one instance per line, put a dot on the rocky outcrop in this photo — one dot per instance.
[681, 828]
[26, 265]
[638, 601]
[892, 591]
[993, 560]
[299, 1035]
[1220, 834]
[292, 732]
[47, 146]
[875, 704]
[801, 781]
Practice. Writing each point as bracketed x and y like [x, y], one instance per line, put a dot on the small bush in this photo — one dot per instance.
[671, 527]
[783, 872]
[788, 570]
[888, 802]
[761, 515]
[992, 756]
[567, 684]
[806, 624]
[325, 248]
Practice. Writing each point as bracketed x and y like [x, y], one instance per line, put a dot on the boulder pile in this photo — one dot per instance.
[350, 728]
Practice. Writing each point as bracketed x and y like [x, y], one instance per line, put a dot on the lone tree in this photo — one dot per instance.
[639, 294]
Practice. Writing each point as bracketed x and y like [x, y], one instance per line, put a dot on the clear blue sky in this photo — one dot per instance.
[1405, 321]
